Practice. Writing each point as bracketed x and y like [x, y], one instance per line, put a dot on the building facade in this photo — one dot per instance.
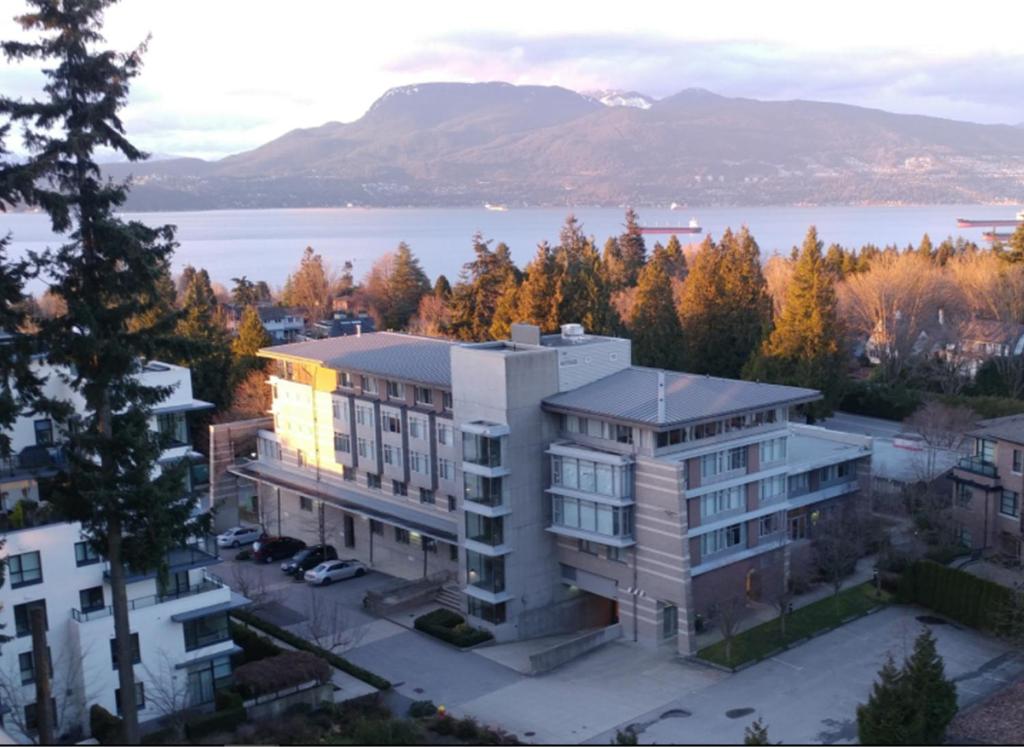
[179, 624]
[987, 488]
[559, 486]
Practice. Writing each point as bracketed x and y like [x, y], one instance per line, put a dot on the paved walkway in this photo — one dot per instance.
[986, 569]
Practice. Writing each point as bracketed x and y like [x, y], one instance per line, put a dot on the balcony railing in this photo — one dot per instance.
[978, 466]
[207, 584]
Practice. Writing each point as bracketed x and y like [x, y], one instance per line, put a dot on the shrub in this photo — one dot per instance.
[422, 709]
[387, 731]
[881, 400]
[166, 735]
[298, 709]
[302, 644]
[451, 627]
[104, 725]
[443, 725]
[279, 672]
[625, 737]
[228, 700]
[244, 554]
[211, 723]
[254, 646]
[986, 407]
[467, 729]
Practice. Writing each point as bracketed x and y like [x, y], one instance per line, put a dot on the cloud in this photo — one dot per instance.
[980, 86]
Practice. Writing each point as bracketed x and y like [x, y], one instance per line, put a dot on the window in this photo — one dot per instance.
[25, 569]
[342, 442]
[206, 631]
[430, 545]
[365, 449]
[444, 434]
[85, 555]
[486, 490]
[844, 470]
[773, 450]
[722, 539]
[1018, 461]
[376, 527]
[452, 504]
[1009, 503]
[738, 458]
[300, 458]
[204, 679]
[401, 536]
[426, 496]
[985, 449]
[964, 535]
[445, 469]
[44, 432]
[485, 572]
[773, 488]
[591, 548]
[424, 396]
[492, 613]
[419, 462]
[364, 414]
[23, 618]
[723, 501]
[963, 495]
[392, 455]
[707, 430]
[670, 438]
[481, 450]
[305, 503]
[396, 390]
[345, 379]
[590, 477]
[27, 666]
[369, 384]
[339, 407]
[140, 697]
[798, 527]
[348, 474]
[616, 554]
[32, 715]
[574, 424]
[828, 474]
[399, 488]
[453, 552]
[391, 422]
[446, 400]
[484, 529]
[372, 481]
[799, 484]
[624, 434]
[769, 525]
[417, 426]
[91, 599]
[669, 620]
[588, 516]
[136, 651]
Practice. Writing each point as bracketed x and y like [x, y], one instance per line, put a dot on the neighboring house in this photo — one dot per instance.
[561, 486]
[282, 323]
[987, 489]
[180, 624]
[341, 324]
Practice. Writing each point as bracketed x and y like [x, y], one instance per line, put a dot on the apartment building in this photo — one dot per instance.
[179, 624]
[561, 486]
[987, 488]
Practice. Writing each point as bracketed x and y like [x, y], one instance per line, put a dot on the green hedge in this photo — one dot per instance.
[880, 400]
[210, 723]
[985, 407]
[451, 627]
[954, 593]
[254, 646]
[303, 645]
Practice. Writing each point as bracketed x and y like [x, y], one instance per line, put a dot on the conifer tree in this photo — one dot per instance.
[106, 272]
[1015, 247]
[581, 294]
[246, 292]
[205, 342]
[672, 258]
[756, 733]
[507, 311]
[805, 348]
[537, 293]
[442, 288]
[395, 285]
[934, 695]
[888, 715]
[475, 297]
[631, 246]
[747, 306]
[701, 309]
[925, 249]
[614, 267]
[309, 287]
[252, 336]
[654, 326]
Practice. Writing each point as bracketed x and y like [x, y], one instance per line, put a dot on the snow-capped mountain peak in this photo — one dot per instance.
[621, 98]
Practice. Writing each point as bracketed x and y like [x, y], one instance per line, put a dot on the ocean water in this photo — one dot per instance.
[267, 244]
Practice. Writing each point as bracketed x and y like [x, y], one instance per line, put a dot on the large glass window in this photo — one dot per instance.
[27, 666]
[85, 555]
[722, 539]
[205, 679]
[773, 450]
[172, 427]
[484, 529]
[799, 484]
[723, 501]
[140, 697]
[44, 432]
[136, 651]
[481, 450]
[25, 569]
[588, 516]
[206, 631]
[417, 426]
[1009, 503]
[985, 449]
[773, 488]
[91, 599]
[492, 613]
[589, 476]
[486, 490]
[23, 617]
[485, 572]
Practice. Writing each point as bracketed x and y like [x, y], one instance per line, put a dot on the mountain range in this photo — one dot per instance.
[458, 144]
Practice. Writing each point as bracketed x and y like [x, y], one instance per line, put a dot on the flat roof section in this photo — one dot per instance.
[632, 395]
[390, 354]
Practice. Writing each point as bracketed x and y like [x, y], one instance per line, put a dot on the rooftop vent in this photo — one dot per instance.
[573, 332]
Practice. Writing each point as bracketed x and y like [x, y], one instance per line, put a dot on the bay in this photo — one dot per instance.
[267, 244]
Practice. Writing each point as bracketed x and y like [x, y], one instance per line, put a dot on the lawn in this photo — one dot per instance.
[825, 614]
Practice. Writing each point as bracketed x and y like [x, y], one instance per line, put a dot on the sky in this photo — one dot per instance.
[223, 76]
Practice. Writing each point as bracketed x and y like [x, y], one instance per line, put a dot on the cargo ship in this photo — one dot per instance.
[996, 236]
[692, 227]
[994, 223]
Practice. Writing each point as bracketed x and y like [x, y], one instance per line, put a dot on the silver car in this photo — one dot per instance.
[236, 536]
[335, 570]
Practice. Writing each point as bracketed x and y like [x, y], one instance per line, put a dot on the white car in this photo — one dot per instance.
[335, 570]
[236, 536]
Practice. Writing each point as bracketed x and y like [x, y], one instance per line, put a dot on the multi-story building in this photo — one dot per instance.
[560, 485]
[179, 624]
[987, 488]
[283, 324]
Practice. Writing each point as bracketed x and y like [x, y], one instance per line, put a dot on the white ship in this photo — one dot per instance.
[497, 208]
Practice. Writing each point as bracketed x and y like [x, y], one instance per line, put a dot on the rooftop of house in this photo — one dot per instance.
[813, 446]
[1009, 428]
[632, 395]
[278, 313]
[390, 354]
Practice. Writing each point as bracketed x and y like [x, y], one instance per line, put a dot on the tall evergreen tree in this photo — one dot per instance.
[1015, 247]
[309, 287]
[395, 285]
[245, 292]
[934, 695]
[206, 344]
[537, 293]
[654, 326]
[581, 293]
[442, 288]
[702, 309]
[925, 249]
[475, 297]
[252, 336]
[614, 267]
[672, 258]
[634, 252]
[805, 348]
[747, 304]
[886, 717]
[106, 272]
[506, 313]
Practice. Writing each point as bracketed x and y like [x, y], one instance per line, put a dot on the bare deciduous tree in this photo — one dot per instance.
[942, 427]
[330, 626]
[727, 614]
[250, 583]
[778, 270]
[839, 539]
[167, 690]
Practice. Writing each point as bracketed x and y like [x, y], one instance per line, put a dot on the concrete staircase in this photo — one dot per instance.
[450, 596]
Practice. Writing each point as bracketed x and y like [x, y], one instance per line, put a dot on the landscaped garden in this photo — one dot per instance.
[451, 627]
[765, 639]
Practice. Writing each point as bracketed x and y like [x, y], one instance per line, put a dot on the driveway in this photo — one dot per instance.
[810, 694]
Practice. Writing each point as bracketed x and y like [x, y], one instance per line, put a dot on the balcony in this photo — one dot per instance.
[978, 466]
[32, 462]
[190, 557]
[207, 584]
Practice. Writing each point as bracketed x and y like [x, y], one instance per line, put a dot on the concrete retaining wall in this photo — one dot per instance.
[273, 705]
[413, 594]
[545, 661]
[578, 613]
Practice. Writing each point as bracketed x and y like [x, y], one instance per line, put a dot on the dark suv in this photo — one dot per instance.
[309, 557]
[276, 548]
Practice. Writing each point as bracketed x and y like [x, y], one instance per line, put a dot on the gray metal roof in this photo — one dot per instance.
[423, 359]
[1009, 428]
[632, 395]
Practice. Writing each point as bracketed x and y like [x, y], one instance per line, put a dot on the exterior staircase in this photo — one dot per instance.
[450, 596]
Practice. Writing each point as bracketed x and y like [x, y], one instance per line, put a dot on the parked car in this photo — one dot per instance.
[307, 558]
[335, 570]
[236, 536]
[276, 548]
